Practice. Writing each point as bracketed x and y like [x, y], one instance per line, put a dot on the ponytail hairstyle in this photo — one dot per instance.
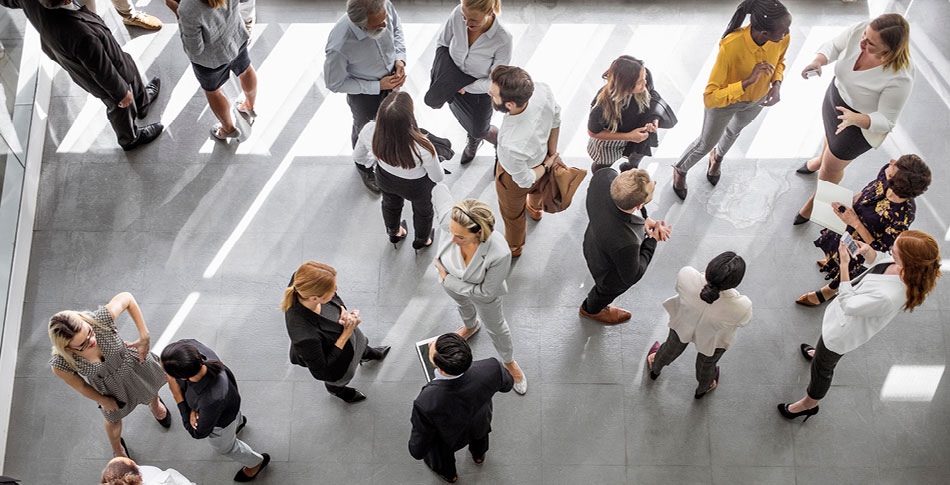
[622, 77]
[397, 138]
[920, 265]
[765, 15]
[475, 216]
[895, 32]
[63, 326]
[724, 272]
[311, 279]
[483, 6]
[182, 360]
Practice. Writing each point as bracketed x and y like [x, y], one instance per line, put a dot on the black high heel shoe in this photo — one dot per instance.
[783, 410]
[805, 349]
[398, 239]
[799, 220]
[125, 448]
[166, 422]
[417, 244]
[804, 169]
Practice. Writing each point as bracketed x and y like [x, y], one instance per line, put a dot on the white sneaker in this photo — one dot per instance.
[522, 387]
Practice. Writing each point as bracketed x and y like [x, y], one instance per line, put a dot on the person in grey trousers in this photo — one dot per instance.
[214, 36]
[209, 403]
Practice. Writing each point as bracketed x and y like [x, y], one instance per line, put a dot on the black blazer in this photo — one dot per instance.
[445, 79]
[452, 413]
[81, 43]
[313, 339]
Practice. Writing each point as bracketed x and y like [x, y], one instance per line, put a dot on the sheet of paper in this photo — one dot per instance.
[823, 213]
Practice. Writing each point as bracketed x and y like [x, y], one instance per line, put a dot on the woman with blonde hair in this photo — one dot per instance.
[473, 264]
[873, 78]
[865, 306]
[90, 356]
[324, 336]
[624, 116]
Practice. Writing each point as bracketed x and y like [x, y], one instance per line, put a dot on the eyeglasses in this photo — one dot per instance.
[85, 344]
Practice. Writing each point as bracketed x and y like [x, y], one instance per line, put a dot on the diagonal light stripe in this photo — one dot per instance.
[176, 322]
[690, 113]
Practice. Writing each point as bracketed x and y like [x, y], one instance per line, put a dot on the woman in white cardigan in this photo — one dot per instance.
[706, 310]
[899, 282]
[874, 76]
[473, 264]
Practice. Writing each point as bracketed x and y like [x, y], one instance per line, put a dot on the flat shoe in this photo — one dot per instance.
[653, 350]
[804, 300]
[799, 220]
[804, 169]
[478, 327]
[243, 477]
[521, 387]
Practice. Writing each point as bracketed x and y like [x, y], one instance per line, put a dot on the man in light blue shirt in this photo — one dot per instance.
[366, 59]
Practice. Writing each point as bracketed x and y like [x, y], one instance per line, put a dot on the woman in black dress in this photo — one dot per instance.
[324, 336]
[882, 211]
[625, 115]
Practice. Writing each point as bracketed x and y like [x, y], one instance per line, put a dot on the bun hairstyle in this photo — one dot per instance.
[484, 6]
[765, 15]
[452, 354]
[920, 265]
[311, 279]
[912, 177]
[182, 360]
[724, 272]
[475, 216]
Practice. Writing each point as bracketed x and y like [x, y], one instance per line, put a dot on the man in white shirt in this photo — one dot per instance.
[125, 471]
[366, 59]
[527, 147]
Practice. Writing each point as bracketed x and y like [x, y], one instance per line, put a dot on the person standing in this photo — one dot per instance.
[899, 282]
[366, 59]
[215, 40]
[618, 244]
[210, 404]
[89, 355]
[473, 265]
[455, 409]
[707, 310]
[324, 336]
[527, 147]
[81, 43]
[874, 77]
[747, 76]
[477, 42]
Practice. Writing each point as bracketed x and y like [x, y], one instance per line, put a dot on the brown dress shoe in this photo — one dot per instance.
[610, 315]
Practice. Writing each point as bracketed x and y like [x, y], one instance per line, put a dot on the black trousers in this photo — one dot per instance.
[822, 370]
[396, 191]
[473, 111]
[705, 364]
[364, 108]
[600, 296]
[442, 460]
[123, 119]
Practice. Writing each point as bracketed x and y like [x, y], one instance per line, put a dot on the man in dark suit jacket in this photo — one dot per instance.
[80, 42]
[618, 244]
[454, 410]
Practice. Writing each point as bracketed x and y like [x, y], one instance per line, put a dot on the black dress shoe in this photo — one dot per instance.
[471, 148]
[446, 479]
[375, 353]
[369, 180]
[146, 135]
[151, 90]
[799, 220]
[804, 169]
[350, 395]
[243, 477]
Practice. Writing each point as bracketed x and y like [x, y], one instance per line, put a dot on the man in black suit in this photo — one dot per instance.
[80, 42]
[454, 410]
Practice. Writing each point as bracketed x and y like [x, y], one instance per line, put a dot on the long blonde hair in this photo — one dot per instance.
[63, 326]
[311, 279]
[622, 77]
[895, 32]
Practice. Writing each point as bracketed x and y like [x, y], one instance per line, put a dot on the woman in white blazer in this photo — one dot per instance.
[899, 282]
[873, 78]
[706, 310]
[473, 263]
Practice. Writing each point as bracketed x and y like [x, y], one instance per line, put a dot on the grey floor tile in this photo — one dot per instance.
[843, 476]
[844, 414]
[753, 475]
[921, 475]
[692, 475]
[567, 420]
[584, 474]
[318, 417]
[665, 425]
[745, 429]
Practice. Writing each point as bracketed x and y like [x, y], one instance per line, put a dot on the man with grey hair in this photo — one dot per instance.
[366, 59]
[83, 45]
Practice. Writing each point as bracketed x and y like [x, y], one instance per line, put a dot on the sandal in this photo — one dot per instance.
[806, 300]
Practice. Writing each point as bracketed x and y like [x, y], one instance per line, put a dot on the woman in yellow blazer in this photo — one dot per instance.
[747, 76]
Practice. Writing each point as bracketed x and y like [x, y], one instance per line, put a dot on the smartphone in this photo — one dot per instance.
[812, 73]
[850, 244]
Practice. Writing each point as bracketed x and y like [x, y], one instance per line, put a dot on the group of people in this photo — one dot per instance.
[472, 73]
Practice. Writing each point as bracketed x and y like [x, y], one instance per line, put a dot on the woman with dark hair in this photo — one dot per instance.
[706, 310]
[90, 356]
[324, 336]
[874, 76]
[882, 211]
[865, 306]
[409, 169]
[209, 403]
[747, 76]
[624, 116]
[215, 39]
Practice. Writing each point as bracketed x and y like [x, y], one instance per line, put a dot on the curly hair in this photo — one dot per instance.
[912, 177]
[920, 265]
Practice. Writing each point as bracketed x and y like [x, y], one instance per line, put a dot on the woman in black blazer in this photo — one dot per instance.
[324, 336]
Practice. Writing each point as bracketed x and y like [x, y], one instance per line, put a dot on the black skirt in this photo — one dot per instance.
[850, 143]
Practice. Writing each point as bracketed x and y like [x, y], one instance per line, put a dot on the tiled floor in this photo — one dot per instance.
[153, 221]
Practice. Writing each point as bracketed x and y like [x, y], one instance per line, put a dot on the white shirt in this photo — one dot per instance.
[355, 61]
[156, 476]
[862, 310]
[428, 165]
[492, 48]
[523, 138]
[879, 93]
[710, 326]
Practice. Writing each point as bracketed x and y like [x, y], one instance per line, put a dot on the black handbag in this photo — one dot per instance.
[665, 113]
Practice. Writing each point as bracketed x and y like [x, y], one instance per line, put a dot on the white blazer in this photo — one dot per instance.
[710, 326]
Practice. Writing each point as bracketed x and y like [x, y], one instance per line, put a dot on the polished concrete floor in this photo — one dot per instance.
[206, 236]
